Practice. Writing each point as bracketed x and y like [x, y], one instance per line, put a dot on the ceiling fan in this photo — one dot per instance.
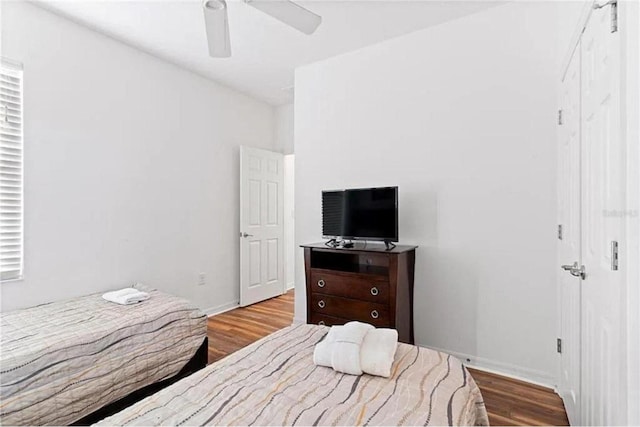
[217, 21]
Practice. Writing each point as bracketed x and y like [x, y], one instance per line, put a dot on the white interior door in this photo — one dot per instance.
[261, 225]
[603, 349]
[569, 218]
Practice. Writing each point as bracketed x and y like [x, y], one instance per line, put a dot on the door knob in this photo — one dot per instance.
[246, 235]
[578, 272]
[575, 270]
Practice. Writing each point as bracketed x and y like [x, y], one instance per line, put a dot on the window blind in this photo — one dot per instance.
[11, 172]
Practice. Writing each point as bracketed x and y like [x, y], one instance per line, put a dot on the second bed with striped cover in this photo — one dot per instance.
[64, 360]
[274, 382]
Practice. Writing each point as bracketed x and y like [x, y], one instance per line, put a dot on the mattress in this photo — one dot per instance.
[274, 382]
[64, 360]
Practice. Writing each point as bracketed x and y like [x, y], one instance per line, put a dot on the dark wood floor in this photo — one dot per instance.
[240, 327]
[511, 402]
[508, 401]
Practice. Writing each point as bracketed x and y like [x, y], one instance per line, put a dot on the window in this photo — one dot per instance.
[11, 190]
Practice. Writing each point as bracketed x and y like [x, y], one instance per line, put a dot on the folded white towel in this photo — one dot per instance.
[324, 349]
[126, 296]
[322, 353]
[345, 356]
[378, 351]
[357, 348]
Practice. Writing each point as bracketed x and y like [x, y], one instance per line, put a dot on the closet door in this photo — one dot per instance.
[602, 206]
[569, 217]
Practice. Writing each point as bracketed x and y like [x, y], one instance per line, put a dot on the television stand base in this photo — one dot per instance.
[389, 245]
[333, 243]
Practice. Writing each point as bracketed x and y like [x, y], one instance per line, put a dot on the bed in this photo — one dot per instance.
[61, 362]
[274, 382]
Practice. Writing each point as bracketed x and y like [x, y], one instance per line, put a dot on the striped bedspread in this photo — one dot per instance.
[62, 361]
[274, 382]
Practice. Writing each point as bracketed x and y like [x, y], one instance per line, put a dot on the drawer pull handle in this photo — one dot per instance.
[321, 283]
[321, 304]
[375, 314]
[374, 291]
[321, 323]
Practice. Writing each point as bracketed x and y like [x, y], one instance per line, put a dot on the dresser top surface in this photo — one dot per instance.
[361, 247]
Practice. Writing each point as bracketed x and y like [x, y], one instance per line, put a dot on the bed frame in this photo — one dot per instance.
[197, 362]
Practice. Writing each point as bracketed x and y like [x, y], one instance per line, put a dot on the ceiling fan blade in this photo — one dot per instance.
[216, 22]
[290, 13]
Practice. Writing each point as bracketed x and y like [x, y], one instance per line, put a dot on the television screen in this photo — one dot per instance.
[367, 214]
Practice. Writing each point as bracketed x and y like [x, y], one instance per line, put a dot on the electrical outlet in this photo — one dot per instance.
[202, 279]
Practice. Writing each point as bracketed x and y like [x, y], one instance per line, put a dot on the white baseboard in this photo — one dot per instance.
[505, 369]
[290, 286]
[222, 308]
[299, 321]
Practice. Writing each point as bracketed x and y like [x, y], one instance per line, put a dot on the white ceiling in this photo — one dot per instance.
[265, 52]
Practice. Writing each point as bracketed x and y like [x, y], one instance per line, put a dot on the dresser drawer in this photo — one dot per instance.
[364, 311]
[321, 319]
[352, 286]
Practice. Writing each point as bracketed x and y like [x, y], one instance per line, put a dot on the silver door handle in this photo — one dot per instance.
[575, 270]
[579, 272]
[245, 235]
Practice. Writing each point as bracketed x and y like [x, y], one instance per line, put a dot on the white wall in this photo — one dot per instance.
[284, 128]
[131, 167]
[462, 118]
[289, 221]
[285, 144]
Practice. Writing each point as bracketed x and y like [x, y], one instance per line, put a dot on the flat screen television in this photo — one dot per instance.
[361, 214]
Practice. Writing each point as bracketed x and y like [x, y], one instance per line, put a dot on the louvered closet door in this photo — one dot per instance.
[11, 194]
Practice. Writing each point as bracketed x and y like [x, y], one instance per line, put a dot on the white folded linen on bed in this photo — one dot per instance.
[345, 355]
[356, 348]
[378, 351]
[126, 296]
[323, 350]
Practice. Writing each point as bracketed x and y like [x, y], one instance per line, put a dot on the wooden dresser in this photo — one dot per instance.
[366, 283]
